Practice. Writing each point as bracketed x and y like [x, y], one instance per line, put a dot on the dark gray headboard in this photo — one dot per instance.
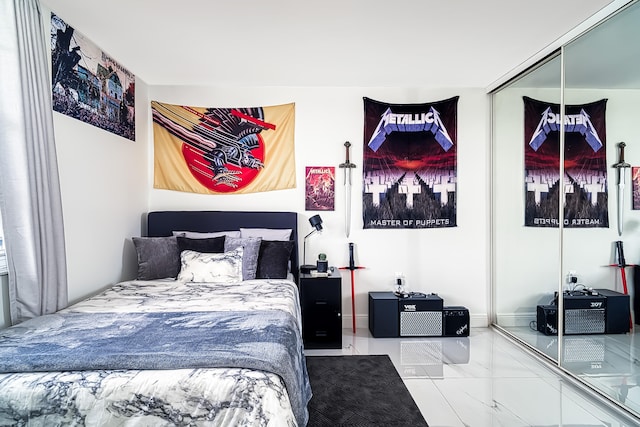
[163, 223]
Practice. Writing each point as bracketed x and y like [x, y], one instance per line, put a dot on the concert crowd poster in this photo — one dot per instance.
[320, 188]
[585, 164]
[88, 84]
[211, 150]
[410, 164]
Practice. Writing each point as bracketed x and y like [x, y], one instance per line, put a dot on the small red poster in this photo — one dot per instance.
[320, 188]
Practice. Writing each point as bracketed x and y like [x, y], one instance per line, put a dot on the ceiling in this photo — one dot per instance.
[606, 57]
[405, 43]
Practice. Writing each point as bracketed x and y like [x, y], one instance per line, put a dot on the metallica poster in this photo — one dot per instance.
[585, 163]
[320, 188]
[223, 150]
[410, 164]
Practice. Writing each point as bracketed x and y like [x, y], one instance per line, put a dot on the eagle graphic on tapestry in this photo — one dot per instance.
[221, 146]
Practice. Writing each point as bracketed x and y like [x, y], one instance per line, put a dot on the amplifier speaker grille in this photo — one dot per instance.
[584, 321]
[420, 323]
[583, 349]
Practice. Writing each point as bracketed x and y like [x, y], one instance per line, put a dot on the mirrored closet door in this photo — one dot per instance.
[525, 258]
[540, 251]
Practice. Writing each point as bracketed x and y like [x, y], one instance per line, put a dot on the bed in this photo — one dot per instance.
[217, 344]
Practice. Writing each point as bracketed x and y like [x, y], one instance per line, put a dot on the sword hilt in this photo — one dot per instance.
[621, 261]
[352, 262]
[621, 163]
[347, 163]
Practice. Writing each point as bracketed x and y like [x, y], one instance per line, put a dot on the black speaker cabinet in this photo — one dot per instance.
[455, 321]
[383, 315]
[617, 318]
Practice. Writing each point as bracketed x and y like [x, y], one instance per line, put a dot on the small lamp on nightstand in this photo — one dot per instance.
[316, 223]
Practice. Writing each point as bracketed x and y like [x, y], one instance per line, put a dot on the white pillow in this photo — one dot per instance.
[267, 233]
[197, 235]
[214, 267]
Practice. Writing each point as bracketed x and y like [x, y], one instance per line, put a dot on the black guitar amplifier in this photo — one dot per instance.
[547, 319]
[456, 321]
[421, 315]
[583, 314]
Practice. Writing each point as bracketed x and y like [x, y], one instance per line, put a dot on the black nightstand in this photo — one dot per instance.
[321, 304]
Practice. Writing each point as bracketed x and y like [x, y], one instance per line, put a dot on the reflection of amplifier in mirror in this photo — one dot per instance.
[588, 355]
[426, 358]
[597, 312]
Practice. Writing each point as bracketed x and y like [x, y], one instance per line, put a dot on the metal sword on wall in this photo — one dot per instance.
[347, 166]
[621, 166]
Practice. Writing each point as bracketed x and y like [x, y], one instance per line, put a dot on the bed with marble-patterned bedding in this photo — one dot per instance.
[182, 386]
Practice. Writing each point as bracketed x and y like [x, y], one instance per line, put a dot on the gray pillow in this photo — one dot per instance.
[158, 257]
[251, 247]
[198, 235]
[267, 233]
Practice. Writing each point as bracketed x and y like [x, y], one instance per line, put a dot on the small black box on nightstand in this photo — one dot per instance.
[456, 321]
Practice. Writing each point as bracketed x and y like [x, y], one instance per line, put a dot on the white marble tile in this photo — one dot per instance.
[512, 402]
[487, 380]
[433, 405]
[606, 362]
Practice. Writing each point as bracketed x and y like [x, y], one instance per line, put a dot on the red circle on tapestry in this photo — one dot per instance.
[202, 169]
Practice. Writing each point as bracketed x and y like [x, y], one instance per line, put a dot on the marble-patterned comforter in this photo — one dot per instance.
[199, 396]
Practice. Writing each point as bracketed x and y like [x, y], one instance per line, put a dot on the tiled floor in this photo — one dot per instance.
[482, 380]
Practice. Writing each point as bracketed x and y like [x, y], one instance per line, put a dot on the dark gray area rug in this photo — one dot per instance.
[359, 391]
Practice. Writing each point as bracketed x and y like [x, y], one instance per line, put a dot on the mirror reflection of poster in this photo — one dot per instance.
[585, 164]
[320, 188]
[88, 84]
[635, 185]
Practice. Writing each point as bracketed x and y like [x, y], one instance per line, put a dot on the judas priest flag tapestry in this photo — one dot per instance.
[585, 164]
[410, 164]
[223, 150]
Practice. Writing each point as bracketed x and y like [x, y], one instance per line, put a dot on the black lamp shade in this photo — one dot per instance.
[316, 222]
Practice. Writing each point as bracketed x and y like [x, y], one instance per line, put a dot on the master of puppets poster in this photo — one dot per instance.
[410, 164]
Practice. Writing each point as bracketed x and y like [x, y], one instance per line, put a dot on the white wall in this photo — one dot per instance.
[103, 178]
[451, 262]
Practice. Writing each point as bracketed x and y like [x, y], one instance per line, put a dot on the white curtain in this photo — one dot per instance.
[30, 200]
